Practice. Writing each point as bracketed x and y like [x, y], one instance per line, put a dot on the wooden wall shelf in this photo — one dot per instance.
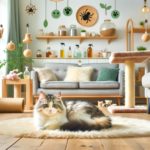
[48, 38]
[140, 30]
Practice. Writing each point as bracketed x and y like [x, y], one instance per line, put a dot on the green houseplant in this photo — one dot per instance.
[15, 59]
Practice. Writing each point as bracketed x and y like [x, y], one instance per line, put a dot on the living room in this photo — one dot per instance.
[61, 50]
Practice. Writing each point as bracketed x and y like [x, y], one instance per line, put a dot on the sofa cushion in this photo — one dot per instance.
[78, 74]
[45, 74]
[107, 74]
[97, 67]
[59, 85]
[99, 85]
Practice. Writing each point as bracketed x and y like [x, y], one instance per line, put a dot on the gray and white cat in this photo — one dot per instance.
[51, 113]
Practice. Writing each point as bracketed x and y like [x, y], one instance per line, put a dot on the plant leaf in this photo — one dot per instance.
[102, 5]
[108, 7]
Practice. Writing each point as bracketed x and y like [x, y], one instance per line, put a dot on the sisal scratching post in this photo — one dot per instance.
[129, 84]
[11, 105]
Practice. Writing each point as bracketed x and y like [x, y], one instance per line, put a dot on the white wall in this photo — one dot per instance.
[127, 8]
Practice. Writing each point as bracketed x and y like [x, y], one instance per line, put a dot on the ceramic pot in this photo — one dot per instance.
[107, 28]
[11, 46]
[27, 53]
[145, 37]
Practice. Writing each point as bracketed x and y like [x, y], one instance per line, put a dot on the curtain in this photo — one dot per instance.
[14, 57]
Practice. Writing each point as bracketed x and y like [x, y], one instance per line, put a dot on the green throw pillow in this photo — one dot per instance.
[107, 74]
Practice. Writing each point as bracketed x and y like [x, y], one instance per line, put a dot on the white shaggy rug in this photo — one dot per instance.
[122, 127]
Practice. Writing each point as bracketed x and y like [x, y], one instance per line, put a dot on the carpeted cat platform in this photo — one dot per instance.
[123, 109]
[122, 127]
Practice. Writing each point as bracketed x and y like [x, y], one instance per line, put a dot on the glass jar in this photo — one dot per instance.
[48, 52]
[62, 31]
[107, 28]
[38, 53]
[73, 30]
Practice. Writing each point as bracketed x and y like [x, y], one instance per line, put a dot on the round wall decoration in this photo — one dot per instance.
[87, 15]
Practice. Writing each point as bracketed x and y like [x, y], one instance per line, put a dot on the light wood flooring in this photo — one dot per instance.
[12, 143]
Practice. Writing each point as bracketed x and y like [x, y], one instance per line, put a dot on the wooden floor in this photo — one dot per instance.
[12, 143]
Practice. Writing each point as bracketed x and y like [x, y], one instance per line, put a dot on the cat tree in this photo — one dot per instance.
[129, 58]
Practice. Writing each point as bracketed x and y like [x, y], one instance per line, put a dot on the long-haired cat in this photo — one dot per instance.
[51, 113]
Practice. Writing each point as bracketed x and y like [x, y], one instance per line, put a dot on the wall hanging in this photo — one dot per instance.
[115, 13]
[27, 52]
[67, 11]
[105, 7]
[30, 8]
[87, 15]
[45, 23]
[56, 13]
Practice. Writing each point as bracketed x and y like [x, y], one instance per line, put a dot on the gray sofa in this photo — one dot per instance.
[93, 88]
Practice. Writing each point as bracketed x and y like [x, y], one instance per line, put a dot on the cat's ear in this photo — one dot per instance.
[42, 95]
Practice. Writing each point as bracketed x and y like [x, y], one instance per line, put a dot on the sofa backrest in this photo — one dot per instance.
[60, 69]
[98, 66]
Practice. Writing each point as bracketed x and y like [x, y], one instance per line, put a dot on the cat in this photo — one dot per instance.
[51, 113]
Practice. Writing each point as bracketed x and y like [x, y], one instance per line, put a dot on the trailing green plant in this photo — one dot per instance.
[106, 7]
[141, 48]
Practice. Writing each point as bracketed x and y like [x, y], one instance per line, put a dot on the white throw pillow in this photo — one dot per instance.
[78, 74]
[45, 74]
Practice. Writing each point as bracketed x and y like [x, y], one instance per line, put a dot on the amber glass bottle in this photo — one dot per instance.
[89, 51]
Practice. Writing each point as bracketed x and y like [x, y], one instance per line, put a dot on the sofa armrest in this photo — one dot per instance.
[35, 81]
[121, 81]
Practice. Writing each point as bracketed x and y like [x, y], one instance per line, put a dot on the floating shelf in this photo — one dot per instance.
[140, 30]
[48, 38]
[69, 58]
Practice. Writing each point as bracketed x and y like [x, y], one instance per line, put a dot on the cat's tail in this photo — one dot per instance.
[97, 124]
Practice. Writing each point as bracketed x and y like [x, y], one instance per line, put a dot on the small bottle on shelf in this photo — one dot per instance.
[62, 50]
[90, 51]
[78, 52]
[26, 73]
[48, 52]
[69, 52]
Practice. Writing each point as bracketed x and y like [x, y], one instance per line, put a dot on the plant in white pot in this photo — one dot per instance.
[83, 32]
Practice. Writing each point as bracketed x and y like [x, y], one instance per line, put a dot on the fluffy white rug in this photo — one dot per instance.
[122, 127]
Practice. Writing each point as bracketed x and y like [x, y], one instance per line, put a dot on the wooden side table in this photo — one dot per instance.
[17, 90]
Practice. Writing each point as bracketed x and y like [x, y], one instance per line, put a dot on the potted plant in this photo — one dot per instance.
[83, 32]
[142, 24]
[141, 48]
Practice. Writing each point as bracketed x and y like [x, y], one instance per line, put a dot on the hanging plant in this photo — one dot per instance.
[105, 7]
[30, 8]
[115, 13]
[56, 13]
[67, 11]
